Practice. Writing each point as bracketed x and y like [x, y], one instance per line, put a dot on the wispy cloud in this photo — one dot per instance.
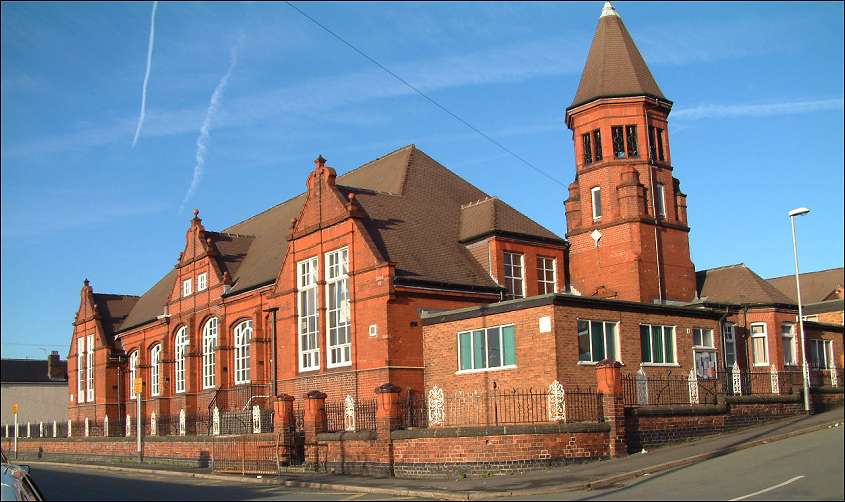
[710, 111]
[147, 74]
[205, 130]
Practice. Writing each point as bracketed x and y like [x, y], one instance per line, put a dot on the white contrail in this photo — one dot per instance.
[205, 130]
[147, 74]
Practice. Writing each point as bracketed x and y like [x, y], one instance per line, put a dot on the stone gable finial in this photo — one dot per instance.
[609, 10]
[320, 161]
[196, 213]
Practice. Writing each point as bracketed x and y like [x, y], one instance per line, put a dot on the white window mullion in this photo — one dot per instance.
[89, 363]
[308, 316]
[339, 350]
[80, 369]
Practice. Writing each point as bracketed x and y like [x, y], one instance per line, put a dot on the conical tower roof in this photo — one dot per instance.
[615, 67]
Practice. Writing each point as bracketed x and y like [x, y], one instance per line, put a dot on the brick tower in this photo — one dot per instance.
[626, 215]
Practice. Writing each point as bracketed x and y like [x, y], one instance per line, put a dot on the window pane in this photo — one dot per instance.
[631, 132]
[645, 344]
[479, 351]
[610, 340]
[494, 350]
[597, 144]
[669, 342]
[588, 154]
[597, 336]
[466, 350]
[759, 350]
[509, 345]
[583, 341]
[657, 344]
[618, 142]
[596, 202]
[696, 336]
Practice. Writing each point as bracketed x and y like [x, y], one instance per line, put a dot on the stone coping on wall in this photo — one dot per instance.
[500, 430]
[348, 436]
[125, 439]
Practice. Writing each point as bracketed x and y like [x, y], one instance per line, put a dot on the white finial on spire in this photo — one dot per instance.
[608, 10]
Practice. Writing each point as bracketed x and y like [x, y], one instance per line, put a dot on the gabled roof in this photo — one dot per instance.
[113, 310]
[413, 213]
[30, 371]
[614, 67]
[837, 305]
[815, 286]
[492, 216]
[737, 285]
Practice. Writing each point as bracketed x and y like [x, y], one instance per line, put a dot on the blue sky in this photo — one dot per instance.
[757, 127]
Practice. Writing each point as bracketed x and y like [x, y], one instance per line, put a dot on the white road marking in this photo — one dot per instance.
[788, 481]
[353, 497]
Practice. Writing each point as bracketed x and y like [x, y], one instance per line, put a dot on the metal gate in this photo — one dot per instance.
[247, 453]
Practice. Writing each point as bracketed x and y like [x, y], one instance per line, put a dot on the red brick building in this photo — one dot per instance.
[327, 290]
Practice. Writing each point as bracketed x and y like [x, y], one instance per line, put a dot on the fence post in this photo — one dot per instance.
[55, 429]
[556, 402]
[609, 384]
[642, 387]
[834, 377]
[106, 426]
[87, 427]
[153, 424]
[256, 419]
[41, 429]
[285, 423]
[182, 422]
[314, 422]
[128, 425]
[69, 428]
[693, 387]
[388, 418]
[774, 377]
[215, 422]
[436, 407]
[349, 413]
[736, 380]
[28, 430]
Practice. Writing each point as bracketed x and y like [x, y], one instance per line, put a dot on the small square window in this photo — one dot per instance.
[202, 281]
[186, 287]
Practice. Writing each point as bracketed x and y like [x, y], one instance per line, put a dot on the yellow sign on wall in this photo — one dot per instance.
[139, 385]
[14, 408]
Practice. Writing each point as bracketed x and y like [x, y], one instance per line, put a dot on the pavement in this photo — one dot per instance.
[574, 478]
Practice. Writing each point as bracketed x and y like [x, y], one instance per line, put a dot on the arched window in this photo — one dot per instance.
[180, 349]
[209, 345]
[243, 335]
[133, 373]
[155, 370]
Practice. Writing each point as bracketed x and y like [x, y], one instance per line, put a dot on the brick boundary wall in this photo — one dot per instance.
[826, 398]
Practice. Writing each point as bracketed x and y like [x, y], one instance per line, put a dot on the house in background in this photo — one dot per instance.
[39, 387]
[821, 294]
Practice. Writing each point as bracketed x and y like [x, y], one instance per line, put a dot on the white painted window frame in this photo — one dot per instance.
[510, 279]
[202, 281]
[180, 349]
[593, 192]
[89, 367]
[765, 336]
[133, 373]
[730, 341]
[660, 199]
[243, 338]
[209, 348]
[674, 346]
[187, 287]
[80, 369]
[788, 339]
[337, 276]
[307, 281]
[542, 281]
[486, 351]
[155, 370]
[704, 347]
[617, 356]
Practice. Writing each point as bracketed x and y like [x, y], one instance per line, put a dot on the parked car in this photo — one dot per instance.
[17, 484]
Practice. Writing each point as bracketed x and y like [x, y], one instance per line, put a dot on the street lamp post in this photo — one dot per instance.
[804, 370]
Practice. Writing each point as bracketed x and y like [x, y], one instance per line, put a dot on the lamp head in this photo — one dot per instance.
[798, 211]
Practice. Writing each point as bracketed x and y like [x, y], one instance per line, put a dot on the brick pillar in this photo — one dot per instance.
[313, 424]
[388, 418]
[284, 423]
[609, 384]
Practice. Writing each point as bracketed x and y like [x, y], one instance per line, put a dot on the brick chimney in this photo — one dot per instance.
[55, 369]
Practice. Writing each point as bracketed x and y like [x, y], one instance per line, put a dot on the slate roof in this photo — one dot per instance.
[492, 215]
[815, 286]
[114, 309]
[614, 67]
[413, 206]
[837, 305]
[737, 285]
[29, 371]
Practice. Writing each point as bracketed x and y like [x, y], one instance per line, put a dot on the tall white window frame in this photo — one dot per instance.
[514, 275]
[209, 349]
[595, 198]
[660, 200]
[546, 267]
[243, 338]
[338, 326]
[730, 344]
[202, 281]
[187, 287]
[704, 352]
[658, 345]
[80, 369]
[787, 334]
[308, 314]
[89, 366]
[133, 373]
[155, 370]
[759, 343]
[180, 349]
